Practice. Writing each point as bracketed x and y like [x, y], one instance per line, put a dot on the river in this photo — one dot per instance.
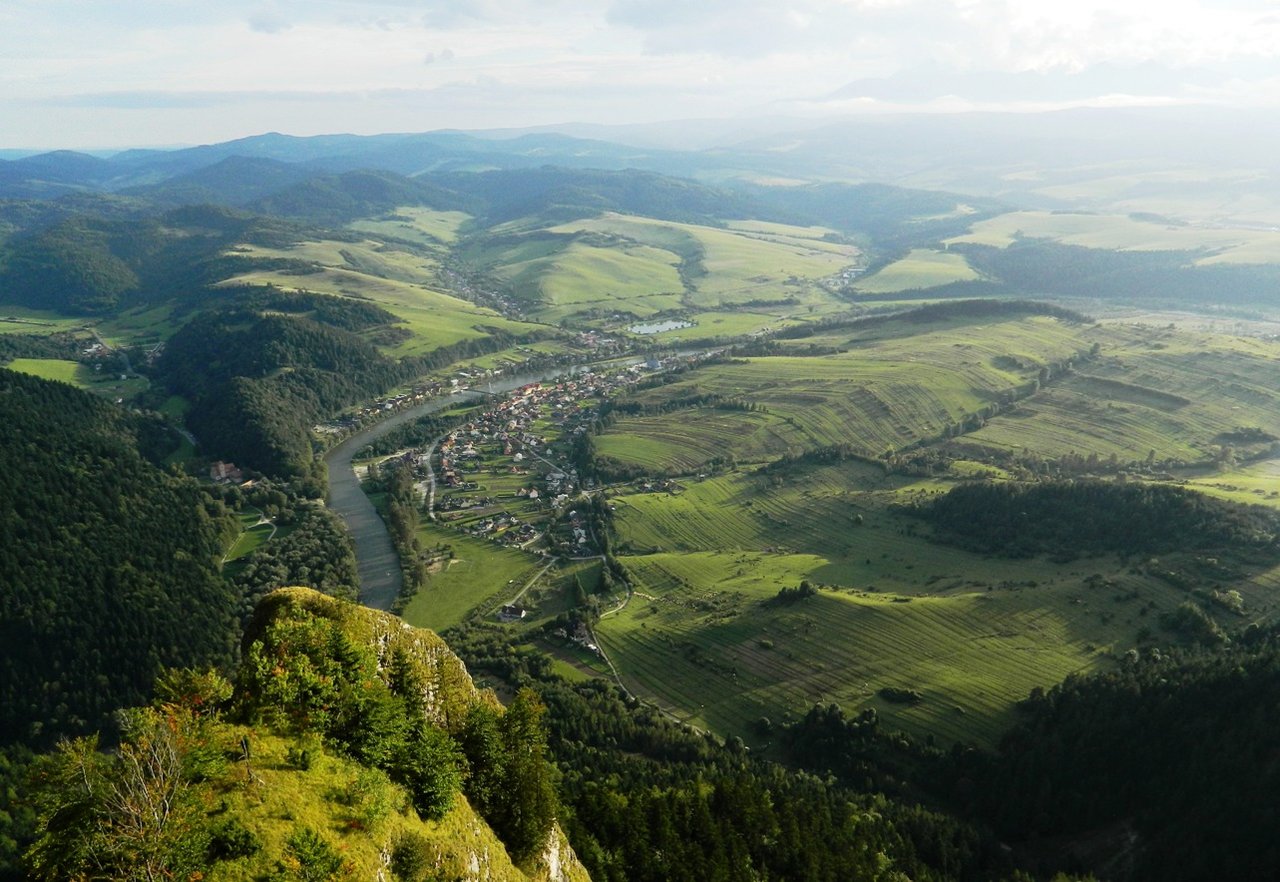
[380, 577]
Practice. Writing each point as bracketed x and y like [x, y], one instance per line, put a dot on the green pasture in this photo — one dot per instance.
[81, 376]
[1126, 233]
[250, 540]
[59, 369]
[729, 324]
[973, 634]
[140, 325]
[424, 226]
[16, 319]
[745, 262]
[712, 646]
[1254, 484]
[481, 574]
[816, 237]
[625, 277]
[435, 319]
[921, 268]
[891, 389]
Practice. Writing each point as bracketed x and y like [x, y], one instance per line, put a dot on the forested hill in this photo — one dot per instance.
[350, 747]
[108, 564]
[1169, 764]
[1071, 517]
[88, 264]
[572, 193]
[259, 380]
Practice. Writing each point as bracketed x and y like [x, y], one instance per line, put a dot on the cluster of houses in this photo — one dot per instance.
[380, 407]
[506, 528]
[225, 473]
[579, 635]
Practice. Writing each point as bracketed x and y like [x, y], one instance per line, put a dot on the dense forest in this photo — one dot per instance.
[1090, 517]
[1041, 267]
[1170, 760]
[88, 265]
[108, 564]
[259, 381]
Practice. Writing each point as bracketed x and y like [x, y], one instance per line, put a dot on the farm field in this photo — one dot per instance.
[59, 369]
[1128, 233]
[425, 226]
[560, 276]
[1254, 484]
[640, 267]
[921, 268]
[1169, 392]
[897, 385]
[705, 638]
[16, 319]
[704, 635]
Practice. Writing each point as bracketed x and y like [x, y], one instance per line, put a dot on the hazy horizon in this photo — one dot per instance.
[84, 75]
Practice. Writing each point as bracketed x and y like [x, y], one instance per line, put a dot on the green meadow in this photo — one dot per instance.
[895, 386]
[81, 376]
[639, 267]
[921, 268]
[401, 281]
[1128, 233]
[423, 226]
[1150, 390]
[479, 575]
[24, 320]
[705, 637]
[1257, 483]
[59, 369]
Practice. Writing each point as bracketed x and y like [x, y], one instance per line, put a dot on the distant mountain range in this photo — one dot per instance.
[1085, 158]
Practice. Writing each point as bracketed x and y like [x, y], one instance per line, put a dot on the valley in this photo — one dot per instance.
[743, 480]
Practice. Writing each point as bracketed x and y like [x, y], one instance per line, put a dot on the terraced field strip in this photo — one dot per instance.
[726, 657]
[1168, 392]
[887, 393]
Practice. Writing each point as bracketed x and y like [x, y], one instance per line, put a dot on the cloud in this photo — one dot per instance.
[929, 83]
[417, 65]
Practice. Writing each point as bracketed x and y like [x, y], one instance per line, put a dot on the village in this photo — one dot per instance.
[506, 474]
[525, 360]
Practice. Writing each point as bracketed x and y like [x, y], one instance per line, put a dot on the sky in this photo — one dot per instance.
[116, 73]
